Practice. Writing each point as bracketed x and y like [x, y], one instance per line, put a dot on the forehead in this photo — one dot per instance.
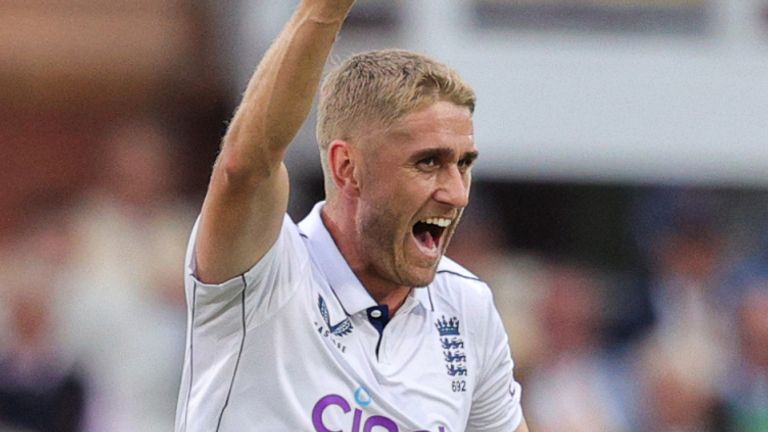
[441, 124]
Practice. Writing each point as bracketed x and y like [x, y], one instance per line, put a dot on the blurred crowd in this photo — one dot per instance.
[92, 310]
[91, 298]
[679, 343]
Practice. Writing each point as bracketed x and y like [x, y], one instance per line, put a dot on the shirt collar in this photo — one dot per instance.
[349, 290]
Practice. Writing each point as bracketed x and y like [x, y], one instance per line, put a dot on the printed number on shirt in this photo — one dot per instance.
[459, 386]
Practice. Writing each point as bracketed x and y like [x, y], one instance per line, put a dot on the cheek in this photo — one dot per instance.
[394, 189]
[378, 185]
[380, 236]
[417, 183]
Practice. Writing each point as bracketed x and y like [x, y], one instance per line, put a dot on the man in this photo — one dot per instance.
[352, 320]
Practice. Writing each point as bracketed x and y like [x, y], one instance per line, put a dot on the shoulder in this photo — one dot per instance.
[451, 272]
[450, 267]
[288, 251]
[460, 287]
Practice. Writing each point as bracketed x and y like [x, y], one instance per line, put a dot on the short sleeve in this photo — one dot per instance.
[496, 402]
[265, 287]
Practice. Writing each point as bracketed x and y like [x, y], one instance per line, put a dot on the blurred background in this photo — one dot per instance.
[619, 210]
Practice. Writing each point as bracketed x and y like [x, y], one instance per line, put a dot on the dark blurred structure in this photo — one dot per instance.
[641, 16]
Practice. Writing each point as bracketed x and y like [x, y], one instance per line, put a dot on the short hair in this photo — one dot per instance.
[377, 88]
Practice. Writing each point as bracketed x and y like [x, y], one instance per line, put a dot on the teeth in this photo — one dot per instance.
[441, 222]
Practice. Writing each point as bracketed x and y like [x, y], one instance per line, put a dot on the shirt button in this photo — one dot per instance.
[375, 313]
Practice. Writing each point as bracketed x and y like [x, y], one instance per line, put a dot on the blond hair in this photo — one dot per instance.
[376, 88]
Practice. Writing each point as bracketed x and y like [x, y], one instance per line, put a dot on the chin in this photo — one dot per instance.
[419, 277]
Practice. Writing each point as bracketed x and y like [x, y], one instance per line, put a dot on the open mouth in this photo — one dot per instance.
[428, 232]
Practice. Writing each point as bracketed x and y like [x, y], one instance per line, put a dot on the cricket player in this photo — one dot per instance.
[352, 320]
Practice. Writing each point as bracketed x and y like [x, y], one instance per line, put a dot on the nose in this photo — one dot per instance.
[453, 187]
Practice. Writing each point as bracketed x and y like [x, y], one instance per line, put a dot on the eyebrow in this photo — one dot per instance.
[443, 153]
[471, 156]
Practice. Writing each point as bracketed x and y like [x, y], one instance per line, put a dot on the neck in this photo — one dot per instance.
[338, 219]
[393, 298]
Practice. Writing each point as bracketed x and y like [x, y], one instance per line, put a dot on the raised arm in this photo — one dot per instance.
[248, 192]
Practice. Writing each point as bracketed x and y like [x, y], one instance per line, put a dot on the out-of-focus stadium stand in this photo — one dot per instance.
[619, 211]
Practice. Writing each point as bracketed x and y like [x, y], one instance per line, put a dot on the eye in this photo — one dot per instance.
[428, 162]
[466, 163]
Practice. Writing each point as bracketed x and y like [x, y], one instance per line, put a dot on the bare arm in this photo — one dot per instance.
[248, 192]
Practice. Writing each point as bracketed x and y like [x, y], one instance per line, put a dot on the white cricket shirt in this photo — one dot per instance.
[298, 344]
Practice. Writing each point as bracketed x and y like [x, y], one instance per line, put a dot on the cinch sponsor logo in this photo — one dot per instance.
[357, 423]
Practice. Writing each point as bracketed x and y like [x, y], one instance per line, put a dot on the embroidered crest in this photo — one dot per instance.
[453, 346]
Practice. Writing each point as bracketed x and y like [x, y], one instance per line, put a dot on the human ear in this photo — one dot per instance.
[342, 162]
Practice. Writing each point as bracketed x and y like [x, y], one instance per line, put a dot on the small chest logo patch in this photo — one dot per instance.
[453, 346]
[333, 332]
[343, 327]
